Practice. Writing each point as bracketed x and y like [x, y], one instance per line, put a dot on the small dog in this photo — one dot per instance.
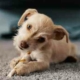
[42, 41]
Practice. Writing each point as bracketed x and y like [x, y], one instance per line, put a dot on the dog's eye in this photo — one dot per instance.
[29, 27]
[41, 39]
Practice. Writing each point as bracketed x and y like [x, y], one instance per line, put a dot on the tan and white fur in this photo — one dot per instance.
[46, 42]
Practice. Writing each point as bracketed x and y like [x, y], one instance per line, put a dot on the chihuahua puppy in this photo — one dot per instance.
[42, 41]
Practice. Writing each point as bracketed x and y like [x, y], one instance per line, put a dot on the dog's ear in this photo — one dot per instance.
[26, 14]
[59, 33]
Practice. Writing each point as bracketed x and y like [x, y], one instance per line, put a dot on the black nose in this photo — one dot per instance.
[23, 45]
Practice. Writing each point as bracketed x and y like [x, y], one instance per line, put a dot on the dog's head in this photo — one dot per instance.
[36, 31]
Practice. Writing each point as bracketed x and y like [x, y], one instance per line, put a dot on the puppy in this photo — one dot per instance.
[46, 42]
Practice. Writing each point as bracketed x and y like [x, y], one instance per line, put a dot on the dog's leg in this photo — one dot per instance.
[32, 66]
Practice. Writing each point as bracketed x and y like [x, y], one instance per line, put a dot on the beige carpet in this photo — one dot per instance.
[64, 71]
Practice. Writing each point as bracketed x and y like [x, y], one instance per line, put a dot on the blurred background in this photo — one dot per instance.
[62, 12]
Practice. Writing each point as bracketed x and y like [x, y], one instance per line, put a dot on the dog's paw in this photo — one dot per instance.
[13, 62]
[21, 69]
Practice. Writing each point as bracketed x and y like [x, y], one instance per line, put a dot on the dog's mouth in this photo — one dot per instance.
[21, 48]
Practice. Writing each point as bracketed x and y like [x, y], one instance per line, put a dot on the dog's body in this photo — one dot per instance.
[46, 42]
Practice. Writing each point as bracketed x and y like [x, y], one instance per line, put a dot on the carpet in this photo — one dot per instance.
[64, 71]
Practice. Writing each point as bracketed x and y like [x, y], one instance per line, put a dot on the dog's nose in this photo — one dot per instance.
[24, 45]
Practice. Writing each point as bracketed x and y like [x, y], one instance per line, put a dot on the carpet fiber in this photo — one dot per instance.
[65, 71]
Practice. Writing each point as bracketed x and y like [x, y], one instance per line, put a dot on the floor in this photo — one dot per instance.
[65, 71]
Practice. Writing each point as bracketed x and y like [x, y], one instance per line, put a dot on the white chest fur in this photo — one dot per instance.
[36, 55]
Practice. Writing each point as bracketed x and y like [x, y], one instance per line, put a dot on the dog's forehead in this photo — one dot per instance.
[40, 20]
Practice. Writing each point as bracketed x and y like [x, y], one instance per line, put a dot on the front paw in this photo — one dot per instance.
[13, 62]
[21, 69]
